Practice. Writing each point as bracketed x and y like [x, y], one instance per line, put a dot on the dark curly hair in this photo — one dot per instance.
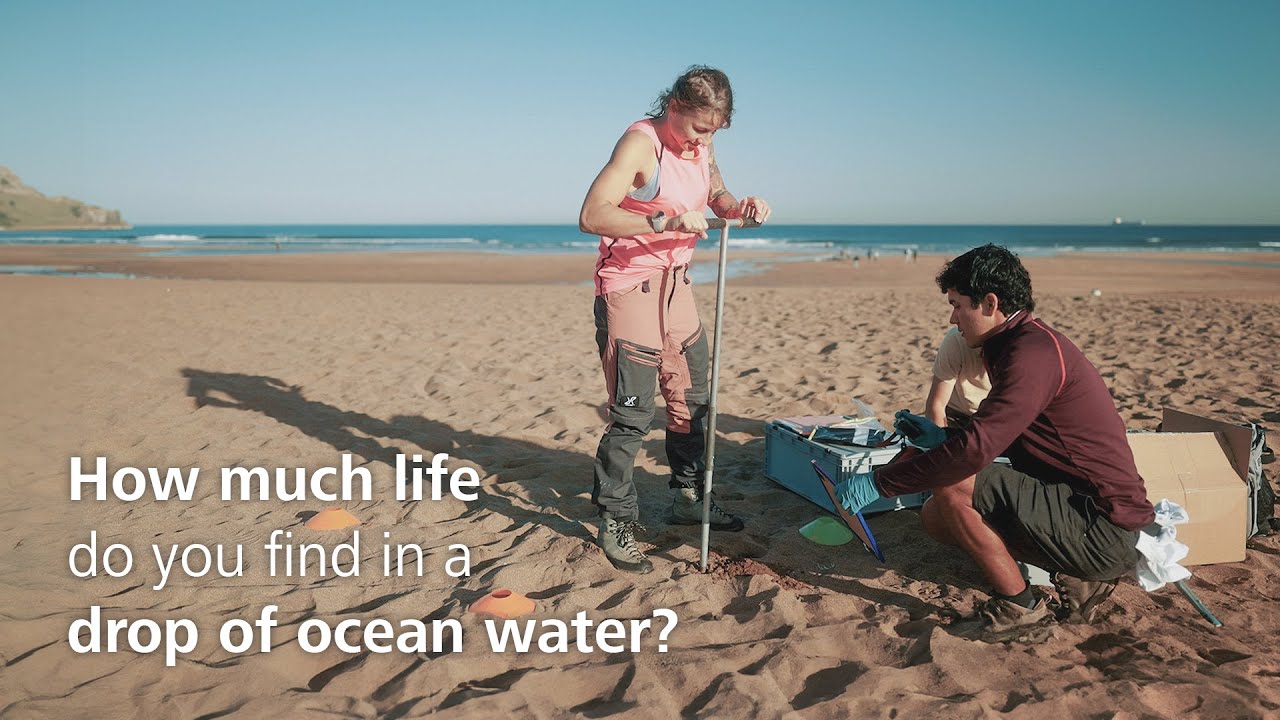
[699, 88]
[990, 269]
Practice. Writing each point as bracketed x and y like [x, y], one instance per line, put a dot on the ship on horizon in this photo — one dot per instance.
[1122, 221]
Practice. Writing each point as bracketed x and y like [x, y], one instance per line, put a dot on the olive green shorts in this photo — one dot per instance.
[1053, 526]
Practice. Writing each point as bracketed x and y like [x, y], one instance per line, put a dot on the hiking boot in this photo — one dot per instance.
[1080, 598]
[999, 615]
[618, 540]
[686, 509]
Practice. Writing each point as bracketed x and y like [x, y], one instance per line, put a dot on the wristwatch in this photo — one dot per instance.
[658, 221]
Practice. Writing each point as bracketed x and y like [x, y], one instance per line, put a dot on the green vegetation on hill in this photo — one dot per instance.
[23, 207]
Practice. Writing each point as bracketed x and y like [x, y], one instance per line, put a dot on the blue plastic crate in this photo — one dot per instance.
[786, 462]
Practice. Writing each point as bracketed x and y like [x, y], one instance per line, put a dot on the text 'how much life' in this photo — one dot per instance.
[325, 484]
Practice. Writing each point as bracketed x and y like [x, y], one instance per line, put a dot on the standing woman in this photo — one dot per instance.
[648, 205]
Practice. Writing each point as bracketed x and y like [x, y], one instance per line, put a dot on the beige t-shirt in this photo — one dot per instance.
[959, 362]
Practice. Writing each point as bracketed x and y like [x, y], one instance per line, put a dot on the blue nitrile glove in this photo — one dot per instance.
[919, 430]
[857, 492]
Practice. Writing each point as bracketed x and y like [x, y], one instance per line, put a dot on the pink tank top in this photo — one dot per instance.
[683, 186]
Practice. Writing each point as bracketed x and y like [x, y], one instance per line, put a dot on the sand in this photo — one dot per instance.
[291, 361]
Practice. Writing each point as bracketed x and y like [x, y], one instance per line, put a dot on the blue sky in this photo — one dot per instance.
[849, 112]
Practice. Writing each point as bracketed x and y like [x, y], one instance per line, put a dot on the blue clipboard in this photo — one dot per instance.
[855, 521]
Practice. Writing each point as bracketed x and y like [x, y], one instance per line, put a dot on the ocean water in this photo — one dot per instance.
[818, 240]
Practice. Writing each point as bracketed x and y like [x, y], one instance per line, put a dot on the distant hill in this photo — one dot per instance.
[25, 208]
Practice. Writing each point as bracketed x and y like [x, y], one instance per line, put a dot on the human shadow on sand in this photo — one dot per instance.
[554, 481]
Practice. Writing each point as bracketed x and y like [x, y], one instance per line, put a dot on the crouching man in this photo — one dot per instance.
[1072, 502]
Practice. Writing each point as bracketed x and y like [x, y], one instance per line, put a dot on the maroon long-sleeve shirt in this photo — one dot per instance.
[1050, 413]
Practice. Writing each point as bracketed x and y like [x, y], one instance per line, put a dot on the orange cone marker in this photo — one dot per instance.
[503, 604]
[332, 519]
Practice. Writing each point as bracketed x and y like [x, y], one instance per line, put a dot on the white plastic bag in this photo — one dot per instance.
[1159, 551]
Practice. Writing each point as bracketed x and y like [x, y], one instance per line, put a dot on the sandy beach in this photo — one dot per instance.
[291, 361]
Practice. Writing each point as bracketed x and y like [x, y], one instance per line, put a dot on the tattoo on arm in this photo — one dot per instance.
[721, 201]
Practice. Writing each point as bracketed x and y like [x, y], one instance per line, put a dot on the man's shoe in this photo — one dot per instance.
[618, 540]
[999, 615]
[1080, 599]
[686, 509]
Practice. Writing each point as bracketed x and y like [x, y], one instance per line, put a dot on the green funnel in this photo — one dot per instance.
[827, 530]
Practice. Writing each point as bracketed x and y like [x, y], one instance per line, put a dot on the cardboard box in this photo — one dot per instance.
[1190, 461]
[786, 462]
[1236, 442]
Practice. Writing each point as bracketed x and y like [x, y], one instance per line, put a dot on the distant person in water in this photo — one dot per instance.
[648, 205]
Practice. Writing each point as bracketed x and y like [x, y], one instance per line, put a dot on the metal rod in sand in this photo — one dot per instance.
[710, 457]
[1197, 603]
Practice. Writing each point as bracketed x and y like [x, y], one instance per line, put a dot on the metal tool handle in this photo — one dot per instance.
[709, 458]
[1197, 603]
[721, 223]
